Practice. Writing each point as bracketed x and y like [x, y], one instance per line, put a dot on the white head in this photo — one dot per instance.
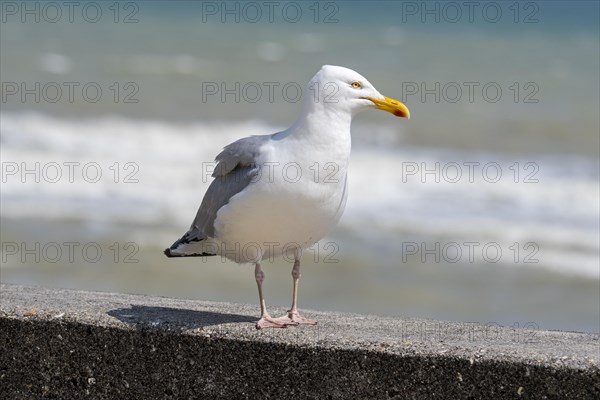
[340, 89]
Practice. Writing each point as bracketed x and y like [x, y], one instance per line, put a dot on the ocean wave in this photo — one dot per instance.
[116, 170]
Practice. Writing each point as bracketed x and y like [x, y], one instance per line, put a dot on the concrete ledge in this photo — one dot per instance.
[68, 344]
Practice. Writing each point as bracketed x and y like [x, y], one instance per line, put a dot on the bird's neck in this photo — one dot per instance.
[324, 128]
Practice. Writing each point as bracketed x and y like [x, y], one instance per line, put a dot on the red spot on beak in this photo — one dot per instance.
[398, 113]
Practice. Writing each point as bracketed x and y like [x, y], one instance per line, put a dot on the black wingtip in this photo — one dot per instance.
[171, 255]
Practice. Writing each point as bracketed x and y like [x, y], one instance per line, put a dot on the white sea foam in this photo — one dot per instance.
[172, 163]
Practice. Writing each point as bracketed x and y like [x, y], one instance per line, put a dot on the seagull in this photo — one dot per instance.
[275, 195]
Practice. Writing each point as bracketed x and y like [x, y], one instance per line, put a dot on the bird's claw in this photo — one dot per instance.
[268, 322]
[292, 318]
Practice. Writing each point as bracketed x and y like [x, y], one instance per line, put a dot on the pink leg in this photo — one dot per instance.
[265, 320]
[292, 316]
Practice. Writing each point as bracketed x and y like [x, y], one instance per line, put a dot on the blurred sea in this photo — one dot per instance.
[515, 170]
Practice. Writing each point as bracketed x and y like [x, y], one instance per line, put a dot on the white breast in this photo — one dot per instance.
[295, 202]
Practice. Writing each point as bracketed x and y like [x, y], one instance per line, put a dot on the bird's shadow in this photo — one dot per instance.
[173, 319]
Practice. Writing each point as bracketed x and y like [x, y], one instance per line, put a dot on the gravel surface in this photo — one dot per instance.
[65, 343]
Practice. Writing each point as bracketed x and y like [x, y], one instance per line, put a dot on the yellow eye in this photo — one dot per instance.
[356, 85]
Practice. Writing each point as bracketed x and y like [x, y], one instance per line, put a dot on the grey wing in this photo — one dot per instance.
[218, 194]
[240, 153]
[235, 169]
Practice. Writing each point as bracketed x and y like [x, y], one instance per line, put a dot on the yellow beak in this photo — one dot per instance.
[392, 106]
